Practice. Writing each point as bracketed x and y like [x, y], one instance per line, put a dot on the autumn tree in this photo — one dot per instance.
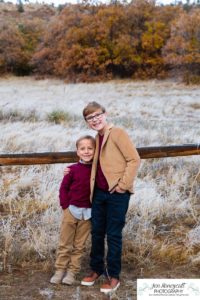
[154, 37]
[93, 41]
[11, 49]
[183, 47]
[20, 6]
[86, 41]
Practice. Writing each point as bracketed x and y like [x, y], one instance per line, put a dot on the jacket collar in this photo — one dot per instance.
[106, 134]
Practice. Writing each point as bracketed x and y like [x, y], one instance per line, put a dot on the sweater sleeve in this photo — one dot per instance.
[64, 190]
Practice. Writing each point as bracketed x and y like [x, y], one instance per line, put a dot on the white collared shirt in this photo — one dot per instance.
[80, 213]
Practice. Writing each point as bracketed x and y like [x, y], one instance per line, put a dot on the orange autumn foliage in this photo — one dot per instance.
[86, 42]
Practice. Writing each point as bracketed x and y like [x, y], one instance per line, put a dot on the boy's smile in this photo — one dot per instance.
[85, 150]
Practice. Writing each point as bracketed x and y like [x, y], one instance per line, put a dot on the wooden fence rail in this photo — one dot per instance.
[69, 157]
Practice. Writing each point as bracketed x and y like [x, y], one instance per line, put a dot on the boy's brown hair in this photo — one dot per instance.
[86, 137]
[92, 107]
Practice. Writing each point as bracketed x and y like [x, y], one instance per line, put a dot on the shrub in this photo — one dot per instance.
[59, 116]
[191, 79]
[15, 115]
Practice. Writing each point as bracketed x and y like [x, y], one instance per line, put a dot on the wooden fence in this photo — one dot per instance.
[69, 157]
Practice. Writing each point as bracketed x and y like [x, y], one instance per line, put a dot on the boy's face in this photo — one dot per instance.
[97, 120]
[85, 150]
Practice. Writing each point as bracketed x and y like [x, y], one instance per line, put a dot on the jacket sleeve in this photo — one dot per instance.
[132, 159]
[64, 190]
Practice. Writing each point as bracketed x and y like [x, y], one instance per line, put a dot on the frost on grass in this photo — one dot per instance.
[47, 293]
[39, 116]
[163, 213]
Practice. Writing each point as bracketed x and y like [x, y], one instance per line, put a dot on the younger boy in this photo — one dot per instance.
[114, 169]
[75, 200]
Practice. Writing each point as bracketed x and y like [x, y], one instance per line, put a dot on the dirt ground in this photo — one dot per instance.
[32, 284]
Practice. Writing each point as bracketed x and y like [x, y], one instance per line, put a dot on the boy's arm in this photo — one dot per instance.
[64, 189]
[132, 158]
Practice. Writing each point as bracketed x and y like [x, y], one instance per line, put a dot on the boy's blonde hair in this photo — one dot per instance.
[86, 137]
[92, 107]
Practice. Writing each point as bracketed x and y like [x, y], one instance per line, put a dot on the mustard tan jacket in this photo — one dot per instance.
[119, 160]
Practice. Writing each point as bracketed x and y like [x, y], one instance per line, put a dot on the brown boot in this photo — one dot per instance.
[90, 280]
[110, 286]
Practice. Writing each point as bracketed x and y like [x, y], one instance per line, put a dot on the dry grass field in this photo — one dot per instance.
[162, 233]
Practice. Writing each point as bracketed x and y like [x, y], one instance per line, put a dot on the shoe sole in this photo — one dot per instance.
[86, 283]
[55, 282]
[67, 283]
[107, 291]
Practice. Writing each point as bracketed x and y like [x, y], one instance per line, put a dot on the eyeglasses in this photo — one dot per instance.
[90, 119]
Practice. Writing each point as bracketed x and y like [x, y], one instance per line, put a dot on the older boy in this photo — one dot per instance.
[114, 169]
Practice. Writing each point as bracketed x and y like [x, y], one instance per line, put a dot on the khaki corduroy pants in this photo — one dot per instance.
[73, 236]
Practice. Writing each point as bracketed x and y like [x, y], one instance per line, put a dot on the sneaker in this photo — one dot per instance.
[57, 277]
[110, 286]
[69, 278]
[90, 280]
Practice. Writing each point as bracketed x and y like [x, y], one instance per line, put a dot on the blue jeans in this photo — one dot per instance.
[108, 219]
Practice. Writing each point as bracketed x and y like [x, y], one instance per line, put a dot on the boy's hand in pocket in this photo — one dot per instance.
[118, 190]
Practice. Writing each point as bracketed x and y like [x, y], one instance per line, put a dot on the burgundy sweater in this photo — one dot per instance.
[75, 186]
[101, 181]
